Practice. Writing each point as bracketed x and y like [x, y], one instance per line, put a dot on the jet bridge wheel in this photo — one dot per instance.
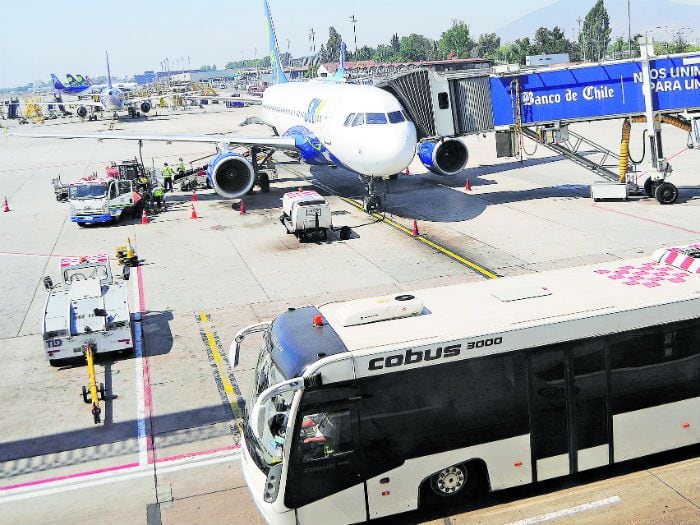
[649, 187]
[666, 193]
[264, 182]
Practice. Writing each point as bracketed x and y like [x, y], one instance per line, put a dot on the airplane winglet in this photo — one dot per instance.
[278, 76]
[340, 73]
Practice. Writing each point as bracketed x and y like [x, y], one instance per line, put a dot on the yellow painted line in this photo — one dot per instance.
[228, 387]
[452, 255]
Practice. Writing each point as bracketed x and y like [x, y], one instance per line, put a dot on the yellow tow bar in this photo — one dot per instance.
[92, 395]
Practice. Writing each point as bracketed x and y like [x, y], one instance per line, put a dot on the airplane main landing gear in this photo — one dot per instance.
[375, 200]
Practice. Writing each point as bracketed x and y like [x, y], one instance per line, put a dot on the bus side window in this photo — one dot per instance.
[124, 187]
[325, 434]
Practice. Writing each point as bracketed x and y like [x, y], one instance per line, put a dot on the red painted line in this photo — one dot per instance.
[70, 476]
[200, 453]
[147, 389]
[665, 224]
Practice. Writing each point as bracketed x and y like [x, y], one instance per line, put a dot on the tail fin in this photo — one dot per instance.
[278, 76]
[340, 73]
[57, 84]
[109, 73]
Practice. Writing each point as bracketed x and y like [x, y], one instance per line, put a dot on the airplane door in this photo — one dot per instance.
[326, 484]
[569, 410]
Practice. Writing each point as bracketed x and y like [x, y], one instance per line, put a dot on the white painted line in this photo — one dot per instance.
[568, 512]
[116, 477]
[138, 370]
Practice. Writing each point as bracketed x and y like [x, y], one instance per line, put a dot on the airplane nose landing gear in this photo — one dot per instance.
[375, 200]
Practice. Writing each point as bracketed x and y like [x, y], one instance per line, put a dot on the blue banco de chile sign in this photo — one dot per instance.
[599, 91]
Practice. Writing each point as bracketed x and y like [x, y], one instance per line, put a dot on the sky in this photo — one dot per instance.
[71, 37]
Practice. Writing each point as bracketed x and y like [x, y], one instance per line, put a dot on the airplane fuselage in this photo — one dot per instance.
[112, 99]
[361, 128]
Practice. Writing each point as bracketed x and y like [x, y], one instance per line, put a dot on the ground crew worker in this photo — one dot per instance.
[168, 176]
[181, 168]
[158, 195]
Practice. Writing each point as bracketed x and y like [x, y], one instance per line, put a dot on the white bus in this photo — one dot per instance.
[368, 408]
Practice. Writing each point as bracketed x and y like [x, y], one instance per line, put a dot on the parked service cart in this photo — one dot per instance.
[306, 214]
[89, 307]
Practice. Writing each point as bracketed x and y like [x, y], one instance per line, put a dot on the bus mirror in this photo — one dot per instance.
[234, 349]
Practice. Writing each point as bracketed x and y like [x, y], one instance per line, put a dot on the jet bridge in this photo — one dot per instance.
[540, 105]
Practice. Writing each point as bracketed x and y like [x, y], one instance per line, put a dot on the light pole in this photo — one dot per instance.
[354, 30]
[312, 41]
[629, 28]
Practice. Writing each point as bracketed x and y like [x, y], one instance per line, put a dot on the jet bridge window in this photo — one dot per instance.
[395, 117]
[376, 118]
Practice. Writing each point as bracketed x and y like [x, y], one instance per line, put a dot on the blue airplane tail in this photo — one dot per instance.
[57, 84]
[278, 76]
[109, 73]
[340, 73]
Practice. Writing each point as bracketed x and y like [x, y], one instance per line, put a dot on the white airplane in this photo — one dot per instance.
[361, 128]
[111, 98]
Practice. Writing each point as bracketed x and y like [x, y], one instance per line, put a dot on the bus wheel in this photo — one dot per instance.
[449, 481]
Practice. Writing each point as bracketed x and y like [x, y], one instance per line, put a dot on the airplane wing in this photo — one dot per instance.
[278, 143]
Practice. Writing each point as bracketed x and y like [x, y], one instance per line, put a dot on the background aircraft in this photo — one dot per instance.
[74, 85]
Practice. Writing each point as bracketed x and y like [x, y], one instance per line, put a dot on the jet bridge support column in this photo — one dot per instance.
[656, 186]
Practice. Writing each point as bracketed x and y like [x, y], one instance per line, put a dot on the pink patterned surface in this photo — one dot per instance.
[70, 261]
[650, 275]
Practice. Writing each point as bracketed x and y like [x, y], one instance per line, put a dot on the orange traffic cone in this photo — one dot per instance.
[194, 195]
[144, 217]
[194, 213]
[407, 172]
[468, 186]
[242, 207]
[6, 207]
[415, 228]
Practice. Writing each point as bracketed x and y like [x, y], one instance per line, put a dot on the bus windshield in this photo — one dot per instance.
[87, 191]
[267, 451]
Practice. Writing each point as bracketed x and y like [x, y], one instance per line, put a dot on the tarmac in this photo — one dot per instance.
[168, 450]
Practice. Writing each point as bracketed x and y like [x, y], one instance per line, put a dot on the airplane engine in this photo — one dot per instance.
[145, 106]
[231, 175]
[446, 156]
[82, 111]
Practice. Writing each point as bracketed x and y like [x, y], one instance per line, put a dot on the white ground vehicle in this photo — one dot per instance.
[89, 306]
[306, 214]
[374, 407]
[99, 200]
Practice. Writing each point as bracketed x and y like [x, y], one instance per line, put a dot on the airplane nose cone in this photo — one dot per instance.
[386, 152]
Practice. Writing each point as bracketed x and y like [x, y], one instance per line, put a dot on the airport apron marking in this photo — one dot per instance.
[229, 392]
[445, 251]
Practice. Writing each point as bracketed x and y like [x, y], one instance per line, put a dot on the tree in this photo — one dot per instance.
[415, 48]
[487, 45]
[331, 51]
[457, 39]
[551, 42]
[595, 33]
[363, 53]
[620, 48]
[384, 53]
[395, 43]
[516, 52]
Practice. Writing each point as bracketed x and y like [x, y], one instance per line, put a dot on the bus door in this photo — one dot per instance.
[326, 482]
[569, 409]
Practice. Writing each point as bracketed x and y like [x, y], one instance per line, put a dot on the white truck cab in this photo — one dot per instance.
[88, 306]
[99, 200]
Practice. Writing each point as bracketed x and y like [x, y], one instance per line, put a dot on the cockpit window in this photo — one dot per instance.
[359, 119]
[348, 120]
[376, 118]
[395, 117]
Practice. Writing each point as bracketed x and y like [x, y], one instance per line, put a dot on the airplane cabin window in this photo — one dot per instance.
[376, 118]
[359, 119]
[395, 117]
